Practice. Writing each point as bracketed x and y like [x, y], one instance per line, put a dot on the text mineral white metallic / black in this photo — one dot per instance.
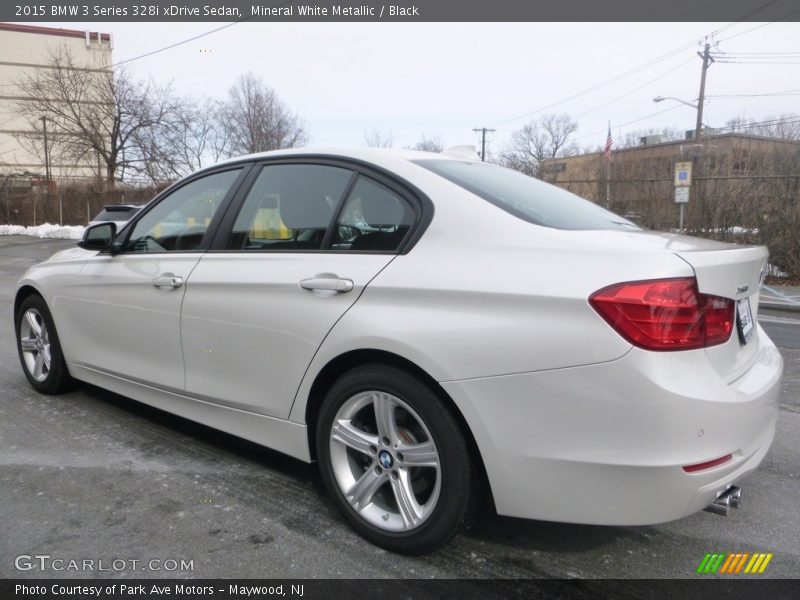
[422, 324]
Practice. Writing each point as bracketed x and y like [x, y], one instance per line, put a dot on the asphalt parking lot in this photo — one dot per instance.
[93, 475]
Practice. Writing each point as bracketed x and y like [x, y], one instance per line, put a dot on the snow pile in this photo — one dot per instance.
[46, 230]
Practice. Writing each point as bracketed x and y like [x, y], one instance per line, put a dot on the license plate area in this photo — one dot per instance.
[744, 320]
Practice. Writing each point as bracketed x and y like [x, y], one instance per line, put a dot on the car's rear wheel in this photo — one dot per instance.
[39, 348]
[394, 459]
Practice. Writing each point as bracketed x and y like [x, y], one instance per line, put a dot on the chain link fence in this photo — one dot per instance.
[68, 205]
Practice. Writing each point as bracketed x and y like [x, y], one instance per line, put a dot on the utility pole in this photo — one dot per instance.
[46, 169]
[483, 131]
[707, 60]
[46, 151]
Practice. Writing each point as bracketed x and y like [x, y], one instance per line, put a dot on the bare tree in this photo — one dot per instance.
[548, 137]
[94, 115]
[429, 144]
[785, 127]
[735, 124]
[375, 138]
[254, 119]
[189, 139]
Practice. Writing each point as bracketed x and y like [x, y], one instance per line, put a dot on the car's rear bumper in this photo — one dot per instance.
[607, 443]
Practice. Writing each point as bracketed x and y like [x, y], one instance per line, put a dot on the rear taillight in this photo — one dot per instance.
[665, 314]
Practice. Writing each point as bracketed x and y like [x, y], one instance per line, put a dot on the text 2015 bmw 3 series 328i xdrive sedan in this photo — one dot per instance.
[420, 325]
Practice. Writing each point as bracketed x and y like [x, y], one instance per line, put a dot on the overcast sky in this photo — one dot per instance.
[443, 79]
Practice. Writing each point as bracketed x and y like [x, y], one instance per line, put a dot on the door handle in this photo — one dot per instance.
[168, 280]
[327, 283]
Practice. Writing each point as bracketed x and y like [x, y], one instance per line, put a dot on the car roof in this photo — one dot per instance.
[380, 156]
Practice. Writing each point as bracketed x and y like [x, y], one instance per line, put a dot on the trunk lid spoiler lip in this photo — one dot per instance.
[733, 272]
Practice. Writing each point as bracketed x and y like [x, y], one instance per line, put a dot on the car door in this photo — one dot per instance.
[126, 312]
[258, 306]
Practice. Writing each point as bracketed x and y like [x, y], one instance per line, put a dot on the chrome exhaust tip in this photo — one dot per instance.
[736, 497]
[730, 498]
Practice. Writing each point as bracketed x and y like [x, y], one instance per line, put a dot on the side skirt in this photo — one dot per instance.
[278, 434]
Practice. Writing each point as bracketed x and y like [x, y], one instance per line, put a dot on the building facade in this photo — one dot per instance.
[25, 51]
[736, 177]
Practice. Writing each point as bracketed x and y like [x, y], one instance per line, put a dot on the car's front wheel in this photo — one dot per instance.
[394, 459]
[39, 348]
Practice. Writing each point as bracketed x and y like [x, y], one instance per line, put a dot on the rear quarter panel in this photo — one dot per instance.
[485, 294]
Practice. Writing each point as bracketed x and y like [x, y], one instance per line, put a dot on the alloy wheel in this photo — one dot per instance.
[35, 344]
[385, 461]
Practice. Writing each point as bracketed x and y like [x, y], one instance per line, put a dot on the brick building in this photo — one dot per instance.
[732, 172]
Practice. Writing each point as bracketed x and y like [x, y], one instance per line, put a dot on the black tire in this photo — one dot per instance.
[456, 471]
[57, 379]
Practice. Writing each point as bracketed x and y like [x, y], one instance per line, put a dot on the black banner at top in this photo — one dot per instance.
[407, 11]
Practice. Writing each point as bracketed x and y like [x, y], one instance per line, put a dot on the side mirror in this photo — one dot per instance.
[99, 237]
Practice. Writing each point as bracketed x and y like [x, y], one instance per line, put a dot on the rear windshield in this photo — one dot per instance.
[525, 197]
[116, 213]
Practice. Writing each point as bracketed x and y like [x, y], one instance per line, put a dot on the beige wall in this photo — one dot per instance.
[23, 53]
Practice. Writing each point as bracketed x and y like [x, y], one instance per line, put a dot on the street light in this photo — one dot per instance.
[697, 107]
[662, 98]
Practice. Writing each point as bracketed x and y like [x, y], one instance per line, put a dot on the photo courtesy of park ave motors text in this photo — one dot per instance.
[374, 294]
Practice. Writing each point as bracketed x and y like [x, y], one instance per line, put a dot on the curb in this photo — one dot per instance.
[779, 306]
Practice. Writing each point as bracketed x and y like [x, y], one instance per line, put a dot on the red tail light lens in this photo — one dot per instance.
[665, 314]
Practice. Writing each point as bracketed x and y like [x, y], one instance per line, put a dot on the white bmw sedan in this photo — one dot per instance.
[424, 326]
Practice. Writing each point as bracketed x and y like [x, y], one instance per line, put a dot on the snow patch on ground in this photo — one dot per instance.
[46, 230]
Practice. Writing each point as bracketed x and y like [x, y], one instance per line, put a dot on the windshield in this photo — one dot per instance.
[525, 197]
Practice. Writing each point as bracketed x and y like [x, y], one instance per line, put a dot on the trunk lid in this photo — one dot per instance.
[729, 271]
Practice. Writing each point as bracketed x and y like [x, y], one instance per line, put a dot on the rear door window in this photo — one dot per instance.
[374, 218]
[289, 208]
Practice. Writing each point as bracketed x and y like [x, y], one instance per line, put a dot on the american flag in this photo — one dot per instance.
[609, 144]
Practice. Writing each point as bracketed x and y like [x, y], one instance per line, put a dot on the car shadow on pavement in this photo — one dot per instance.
[226, 447]
[172, 436]
[547, 536]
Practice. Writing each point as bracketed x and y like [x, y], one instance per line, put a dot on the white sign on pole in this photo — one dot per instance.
[682, 195]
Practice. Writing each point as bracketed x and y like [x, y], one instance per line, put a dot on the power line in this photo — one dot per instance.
[756, 10]
[186, 41]
[773, 121]
[173, 45]
[651, 62]
[624, 75]
[644, 118]
[735, 35]
[152, 52]
[644, 85]
[759, 54]
[765, 94]
[195, 37]
[754, 62]
[791, 120]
